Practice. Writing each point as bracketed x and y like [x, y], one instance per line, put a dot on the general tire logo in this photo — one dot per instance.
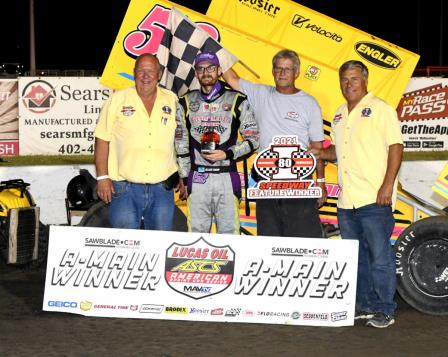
[38, 96]
[284, 166]
[377, 55]
[199, 269]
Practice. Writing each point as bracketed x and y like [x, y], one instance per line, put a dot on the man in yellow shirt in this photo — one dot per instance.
[135, 157]
[367, 143]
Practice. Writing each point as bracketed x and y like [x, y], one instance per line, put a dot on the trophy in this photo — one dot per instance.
[209, 141]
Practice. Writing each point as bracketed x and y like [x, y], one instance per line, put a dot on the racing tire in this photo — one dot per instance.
[98, 216]
[421, 253]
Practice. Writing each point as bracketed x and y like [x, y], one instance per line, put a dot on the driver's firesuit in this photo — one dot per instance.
[214, 188]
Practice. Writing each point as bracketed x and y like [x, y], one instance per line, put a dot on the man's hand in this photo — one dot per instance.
[214, 155]
[105, 189]
[321, 200]
[316, 152]
[182, 189]
[384, 195]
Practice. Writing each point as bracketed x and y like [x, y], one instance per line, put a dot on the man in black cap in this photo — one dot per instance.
[208, 121]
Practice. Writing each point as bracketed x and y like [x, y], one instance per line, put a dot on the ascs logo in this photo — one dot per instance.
[38, 96]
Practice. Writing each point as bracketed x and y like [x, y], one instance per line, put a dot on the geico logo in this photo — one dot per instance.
[377, 55]
[202, 266]
[70, 304]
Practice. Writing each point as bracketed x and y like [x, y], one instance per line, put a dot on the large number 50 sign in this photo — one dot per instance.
[149, 33]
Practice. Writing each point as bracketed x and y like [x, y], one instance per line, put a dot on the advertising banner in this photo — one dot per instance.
[423, 112]
[9, 118]
[323, 44]
[58, 115]
[142, 30]
[201, 277]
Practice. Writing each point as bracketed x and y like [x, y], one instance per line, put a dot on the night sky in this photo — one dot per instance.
[80, 34]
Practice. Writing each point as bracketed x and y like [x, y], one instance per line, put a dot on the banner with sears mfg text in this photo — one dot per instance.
[423, 113]
[200, 277]
[58, 115]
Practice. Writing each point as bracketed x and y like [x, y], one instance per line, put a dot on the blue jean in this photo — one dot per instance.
[133, 201]
[372, 226]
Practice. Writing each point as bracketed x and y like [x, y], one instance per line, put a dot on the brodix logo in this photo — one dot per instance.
[378, 55]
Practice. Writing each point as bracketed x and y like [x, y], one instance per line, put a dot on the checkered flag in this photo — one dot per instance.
[180, 44]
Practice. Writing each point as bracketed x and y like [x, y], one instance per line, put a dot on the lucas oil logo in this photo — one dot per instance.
[199, 269]
[378, 55]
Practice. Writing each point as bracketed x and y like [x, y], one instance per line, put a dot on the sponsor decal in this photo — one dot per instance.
[248, 313]
[426, 103]
[378, 55]
[194, 106]
[366, 112]
[176, 310]
[85, 305]
[199, 269]
[39, 96]
[115, 307]
[273, 313]
[318, 316]
[226, 107]
[292, 115]
[312, 73]
[151, 309]
[265, 7]
[283, 166]
[199, 311]
[127, 110]
[295, 315]
[166, 109]
[301, 252]
[219, 311]
[337, 118]
[233, 312]
[210, 107]
[111, 243]
[302, 22]
[63, 304]
[338, 316]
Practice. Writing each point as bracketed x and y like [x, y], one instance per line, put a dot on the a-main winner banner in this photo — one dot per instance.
[201, 277]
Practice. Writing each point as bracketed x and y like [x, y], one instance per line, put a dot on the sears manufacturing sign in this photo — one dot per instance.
[57, 116]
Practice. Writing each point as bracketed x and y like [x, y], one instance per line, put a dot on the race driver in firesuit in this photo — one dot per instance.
[208, 121]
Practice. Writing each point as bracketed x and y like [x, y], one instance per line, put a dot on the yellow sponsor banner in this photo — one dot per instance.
[141, 32]
[323, 44]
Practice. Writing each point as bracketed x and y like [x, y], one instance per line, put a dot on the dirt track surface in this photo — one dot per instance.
[26, 330]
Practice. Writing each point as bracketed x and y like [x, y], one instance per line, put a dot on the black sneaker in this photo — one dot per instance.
[363, 315]
[380, 320]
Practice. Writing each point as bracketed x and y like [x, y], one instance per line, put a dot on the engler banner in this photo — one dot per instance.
[200, 277]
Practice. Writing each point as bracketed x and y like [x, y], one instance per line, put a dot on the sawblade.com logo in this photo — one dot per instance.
[284, 165]
[199, 269]
[38, 96]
